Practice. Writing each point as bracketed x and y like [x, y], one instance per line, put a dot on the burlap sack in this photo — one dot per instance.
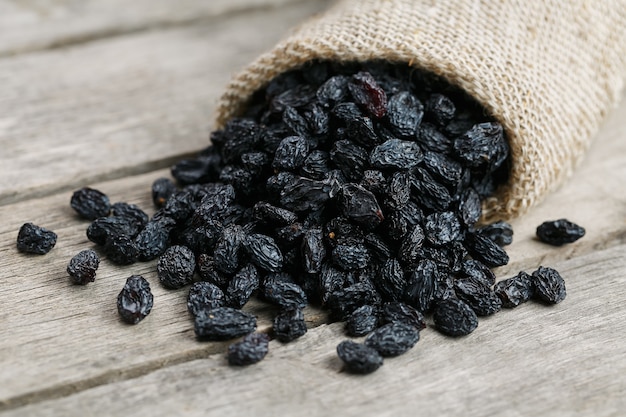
[548, 70]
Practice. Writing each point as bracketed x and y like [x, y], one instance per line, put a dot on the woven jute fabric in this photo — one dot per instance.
[548, 70]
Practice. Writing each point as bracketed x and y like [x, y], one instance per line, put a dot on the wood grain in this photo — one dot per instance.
[32, 25]
[563, 360]
[124, 105]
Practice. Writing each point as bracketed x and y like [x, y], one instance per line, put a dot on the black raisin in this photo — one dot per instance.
[358, 358]
[442, 228]
[241, 287]
[440, 109]
[549, 285]
[121, 250]
[226, 253]
[284, 293]
[453, 317]
[500, 232]
[393, 339]
[135, 300]
[204, 296]
[360, 205]
[289, 325]
[362, 321]
[264, 252]
[559, 232]
[250, 350]
[176, 267]
[396, 312]
[480, 298]
[396, 154]
[515, 290]
[82, 267]
[291, 153]
[404, 113]
[90, 203]
[313, 250]
[35, 239]
[223, 323]
[368, 94]
[486, 250]
[162, 190]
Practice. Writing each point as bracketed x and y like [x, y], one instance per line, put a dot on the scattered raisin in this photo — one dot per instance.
[82, 267]
[134, 302]
[359, 358]
[559, 232]
[35, 239]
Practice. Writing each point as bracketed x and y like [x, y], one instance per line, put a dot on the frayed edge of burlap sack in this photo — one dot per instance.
[548, 70]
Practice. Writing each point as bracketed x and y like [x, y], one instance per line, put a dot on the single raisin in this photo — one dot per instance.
[453, 317]
[135, 300]
[35, 239]
[549, 285]
[176, 267]
[90, 203]
[559, 232]
[250, 350]
[359, 358]
[82, 267]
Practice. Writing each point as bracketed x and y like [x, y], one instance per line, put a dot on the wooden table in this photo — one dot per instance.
[108, 94]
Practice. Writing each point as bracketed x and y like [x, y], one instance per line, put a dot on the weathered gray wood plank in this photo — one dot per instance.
[563, 360]
[30, 25]
[122, 105]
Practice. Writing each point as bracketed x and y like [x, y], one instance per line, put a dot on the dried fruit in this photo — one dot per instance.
[549, 285]
[82, 267]
[393, 339]
[515, 290]
[90, 203]
[289, 324]
[35, 239]
[204, 296]
[358, 358]
[559, 232]
[162, 189]
[453, 317]
[361, 321]
[134, 302]
[176, 267]
[223, 323]
[250, 350]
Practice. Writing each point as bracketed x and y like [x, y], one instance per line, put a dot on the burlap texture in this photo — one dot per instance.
[548, 70]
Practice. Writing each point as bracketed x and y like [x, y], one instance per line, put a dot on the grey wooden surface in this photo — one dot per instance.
[92, 96]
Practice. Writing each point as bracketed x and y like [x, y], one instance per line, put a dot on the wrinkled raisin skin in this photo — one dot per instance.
[358, 358]
[250, 350]
[559, 232]
[135, 300]
[82, 267]
[90, 203]
[35, 239]
[453, 317]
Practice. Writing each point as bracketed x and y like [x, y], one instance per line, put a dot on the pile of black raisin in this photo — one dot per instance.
[356, 187]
